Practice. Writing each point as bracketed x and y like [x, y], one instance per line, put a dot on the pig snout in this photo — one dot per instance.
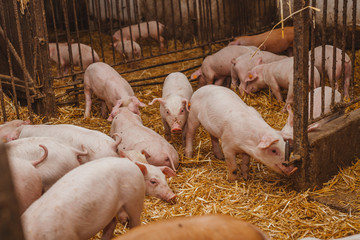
[171, 198]
[176, 128]
[287, 170]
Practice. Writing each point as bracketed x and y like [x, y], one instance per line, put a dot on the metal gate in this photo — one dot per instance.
[23, 61]
[312, 31]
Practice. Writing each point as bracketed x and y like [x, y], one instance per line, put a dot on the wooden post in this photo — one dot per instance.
[10, 225]
[301, 59]
[48, 102]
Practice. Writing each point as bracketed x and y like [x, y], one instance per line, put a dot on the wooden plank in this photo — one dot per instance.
[10, 225]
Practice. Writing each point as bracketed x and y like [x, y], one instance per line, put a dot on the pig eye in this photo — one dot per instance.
[153, 181]
[167, 111]
[274, 151]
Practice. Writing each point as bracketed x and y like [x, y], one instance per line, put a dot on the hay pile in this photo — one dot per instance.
[266, 199]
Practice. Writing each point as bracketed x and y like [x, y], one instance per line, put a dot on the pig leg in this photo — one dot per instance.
[108, 231]
[183, 135]
[216, 147]
[245, 165]
[123, 217]
[167, 129]
[347, 78]
[134, 208]
[162, 40]
[104, 110]
[87, 92]
[202, 81]
[220, 81]
[192, 124]
[230, 160]
[275, 89]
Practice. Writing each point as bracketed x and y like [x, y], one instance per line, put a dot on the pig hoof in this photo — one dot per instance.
[123, 219]
[245, 176]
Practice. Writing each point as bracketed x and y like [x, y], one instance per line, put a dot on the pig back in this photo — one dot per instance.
[95, 142]
[208, 227]
[219, 110]
[106, 82]
[177, 84]
[71, 203]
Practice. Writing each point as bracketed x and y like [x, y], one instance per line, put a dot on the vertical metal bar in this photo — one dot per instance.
[181, 24]
[49, 102]
[97, 6]
[137, 19]
[90, 35]
[173, 22]
[323, 57]
[189, 20]
[78, 36]
[301, 56]
[201, 30]
[22, 53]
[225, 19]
[351, 93]
[130, 25]
[111, 28]
[68, 35]
[219, 35]
[312, 62]
[120, 24]
[56, 37]
[333, 72]
[11, 71]
[343, 48]
[157, 24]
[210, 20]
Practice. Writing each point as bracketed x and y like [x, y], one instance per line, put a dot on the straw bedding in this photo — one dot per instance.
[266, 199]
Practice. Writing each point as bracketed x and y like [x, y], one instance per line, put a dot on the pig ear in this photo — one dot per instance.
[186, 103]
[266, 142]
[160, 100]
[122, 154]
[233, 61]
[259, 61]
[291, 116]
[138, 102]
[252, 75]
[168, 172]
[146, 154]
[117, 141]
[142, 168]
[118, 104]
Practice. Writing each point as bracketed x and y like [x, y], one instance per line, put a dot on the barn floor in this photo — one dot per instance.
[267, 199]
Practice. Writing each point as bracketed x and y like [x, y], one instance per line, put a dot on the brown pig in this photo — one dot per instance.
[273, 42]
[207, 227]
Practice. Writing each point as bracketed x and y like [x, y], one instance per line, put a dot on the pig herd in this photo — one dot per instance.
[124, 42]
[57, 168]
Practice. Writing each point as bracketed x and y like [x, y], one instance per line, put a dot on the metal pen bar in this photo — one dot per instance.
[61, 73]
[23, 65]
[10, 69]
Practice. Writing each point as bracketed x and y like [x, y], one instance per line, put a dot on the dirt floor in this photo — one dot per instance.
[267, 199]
